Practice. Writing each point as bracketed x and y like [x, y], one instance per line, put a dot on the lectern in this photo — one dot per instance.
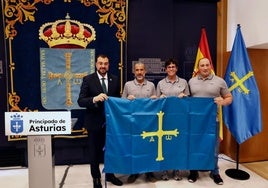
[39, 128]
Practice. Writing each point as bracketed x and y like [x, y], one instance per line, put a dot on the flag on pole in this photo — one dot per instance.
[203, 52]
[243, 116]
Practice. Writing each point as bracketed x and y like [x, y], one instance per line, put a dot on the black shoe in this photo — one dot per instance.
[217, 179]
[97, 183]
[193, 176]
[114, 180]
[132, 178]
[150, 177]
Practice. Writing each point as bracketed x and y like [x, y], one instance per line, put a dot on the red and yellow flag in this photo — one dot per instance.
[203, 52]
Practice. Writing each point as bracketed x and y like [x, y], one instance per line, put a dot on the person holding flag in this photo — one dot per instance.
[139, 87]
[172, 85]
[92, 95]
[207, 84]
[202, 52]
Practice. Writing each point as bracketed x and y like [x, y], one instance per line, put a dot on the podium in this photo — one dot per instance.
[40, 162]
[39, 128]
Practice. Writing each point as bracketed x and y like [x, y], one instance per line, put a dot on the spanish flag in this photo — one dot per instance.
[203, 52]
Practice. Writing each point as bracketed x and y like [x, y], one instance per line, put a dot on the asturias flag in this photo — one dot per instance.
[150, 135]
[243, 116]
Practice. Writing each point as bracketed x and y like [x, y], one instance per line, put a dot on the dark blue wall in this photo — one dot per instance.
[170, 29]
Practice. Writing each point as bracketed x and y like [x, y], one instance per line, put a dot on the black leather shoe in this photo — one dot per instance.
[150, 177]
[97, 183]
[217, 179]
[114, 180]
[132, 178]
[193, 176]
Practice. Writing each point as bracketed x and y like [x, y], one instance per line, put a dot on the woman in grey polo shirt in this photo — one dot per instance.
[172, 85]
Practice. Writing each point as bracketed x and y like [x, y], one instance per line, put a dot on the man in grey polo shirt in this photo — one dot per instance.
[139, 88]
[206, 84]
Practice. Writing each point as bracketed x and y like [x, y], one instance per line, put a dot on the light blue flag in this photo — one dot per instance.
[149, 135]
[243, 117]
[61, 74]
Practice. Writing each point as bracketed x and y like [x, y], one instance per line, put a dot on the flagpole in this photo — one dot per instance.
[236, 173]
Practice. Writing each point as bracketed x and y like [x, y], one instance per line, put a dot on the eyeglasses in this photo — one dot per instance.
[171, 67]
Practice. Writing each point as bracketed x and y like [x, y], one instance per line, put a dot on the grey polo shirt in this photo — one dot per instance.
[167, 88]
[145, 90]
[213, 86]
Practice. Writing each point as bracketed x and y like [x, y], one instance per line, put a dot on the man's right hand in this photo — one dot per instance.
[131, 97]
[100, 98]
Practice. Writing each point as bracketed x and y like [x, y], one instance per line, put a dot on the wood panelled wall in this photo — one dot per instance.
[254, 149]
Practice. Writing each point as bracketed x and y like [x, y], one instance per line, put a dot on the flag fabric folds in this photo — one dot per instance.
[243, 116]
[60, 82]
[149, 135]
[202, 51]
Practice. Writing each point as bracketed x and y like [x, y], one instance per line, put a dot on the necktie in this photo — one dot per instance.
[103, 85]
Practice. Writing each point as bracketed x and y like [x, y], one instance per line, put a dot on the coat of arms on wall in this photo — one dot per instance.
[47, 55]
[65, 63]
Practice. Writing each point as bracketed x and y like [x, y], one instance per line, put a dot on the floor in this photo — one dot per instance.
[77, 176]
[260, 167]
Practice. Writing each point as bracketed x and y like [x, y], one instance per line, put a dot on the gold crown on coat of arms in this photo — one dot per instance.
[67, 33]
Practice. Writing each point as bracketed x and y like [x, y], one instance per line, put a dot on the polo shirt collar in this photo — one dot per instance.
[207, 78]
[137, 83]
[168, 80]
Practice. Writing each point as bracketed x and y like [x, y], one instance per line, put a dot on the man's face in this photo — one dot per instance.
[204, 68]
[139, 72]
[102, 65]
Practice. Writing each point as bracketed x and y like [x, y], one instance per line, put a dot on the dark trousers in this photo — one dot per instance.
[96, 141]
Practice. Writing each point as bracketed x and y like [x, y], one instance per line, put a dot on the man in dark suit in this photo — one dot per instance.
[92, 95]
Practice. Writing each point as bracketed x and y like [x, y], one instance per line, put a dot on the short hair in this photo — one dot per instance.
[171, 61]
[102, 56]
[138, 63]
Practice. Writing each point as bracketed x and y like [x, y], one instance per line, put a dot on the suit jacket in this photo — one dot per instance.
[91, 87]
